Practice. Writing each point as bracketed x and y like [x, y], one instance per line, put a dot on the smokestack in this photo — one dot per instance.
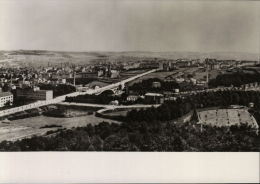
[207, 71]
[11, 78]
[74, 79]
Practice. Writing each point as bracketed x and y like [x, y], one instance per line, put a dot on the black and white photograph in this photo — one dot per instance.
[129, 76]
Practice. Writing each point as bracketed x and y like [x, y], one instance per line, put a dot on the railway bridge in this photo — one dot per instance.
[62, 98]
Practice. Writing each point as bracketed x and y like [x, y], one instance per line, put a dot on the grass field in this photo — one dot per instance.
[18, 129]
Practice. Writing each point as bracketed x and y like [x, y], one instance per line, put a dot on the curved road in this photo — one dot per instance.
[109, 107]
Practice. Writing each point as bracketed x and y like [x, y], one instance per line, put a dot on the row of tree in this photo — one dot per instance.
[236, 79]
[103, 98]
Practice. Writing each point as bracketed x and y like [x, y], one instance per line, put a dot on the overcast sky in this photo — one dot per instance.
[81, 25]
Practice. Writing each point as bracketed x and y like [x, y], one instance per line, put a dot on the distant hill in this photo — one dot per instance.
[198, 55]
[43, 57]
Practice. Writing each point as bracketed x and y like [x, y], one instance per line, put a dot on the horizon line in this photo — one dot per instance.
[79, 51]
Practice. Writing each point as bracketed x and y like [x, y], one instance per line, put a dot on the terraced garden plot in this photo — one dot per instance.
[227, 117]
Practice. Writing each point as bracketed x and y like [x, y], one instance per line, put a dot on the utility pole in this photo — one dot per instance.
[207, 72]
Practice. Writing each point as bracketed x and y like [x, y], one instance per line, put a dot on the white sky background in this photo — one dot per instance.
[111, 25]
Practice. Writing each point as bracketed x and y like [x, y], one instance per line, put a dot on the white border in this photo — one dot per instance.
[100, 167]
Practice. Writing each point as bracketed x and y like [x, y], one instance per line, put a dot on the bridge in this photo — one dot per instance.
[117, 84]
[63, 97]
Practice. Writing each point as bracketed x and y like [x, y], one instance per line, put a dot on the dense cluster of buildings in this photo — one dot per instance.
[216, 64]
[23, 82]
[169, 64]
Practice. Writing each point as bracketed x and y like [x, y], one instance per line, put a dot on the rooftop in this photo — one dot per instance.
[3, 94]
[153, 94]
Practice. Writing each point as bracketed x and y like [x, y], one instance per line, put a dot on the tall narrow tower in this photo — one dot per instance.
[259, 55]
[259, 47]
[74, 78]
[11, 78]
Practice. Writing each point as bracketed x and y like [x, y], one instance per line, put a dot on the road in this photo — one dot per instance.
[109, 107]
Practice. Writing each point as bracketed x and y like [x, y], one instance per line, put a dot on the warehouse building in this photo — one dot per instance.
[5, 98]
[34, 94]
[154, 98]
